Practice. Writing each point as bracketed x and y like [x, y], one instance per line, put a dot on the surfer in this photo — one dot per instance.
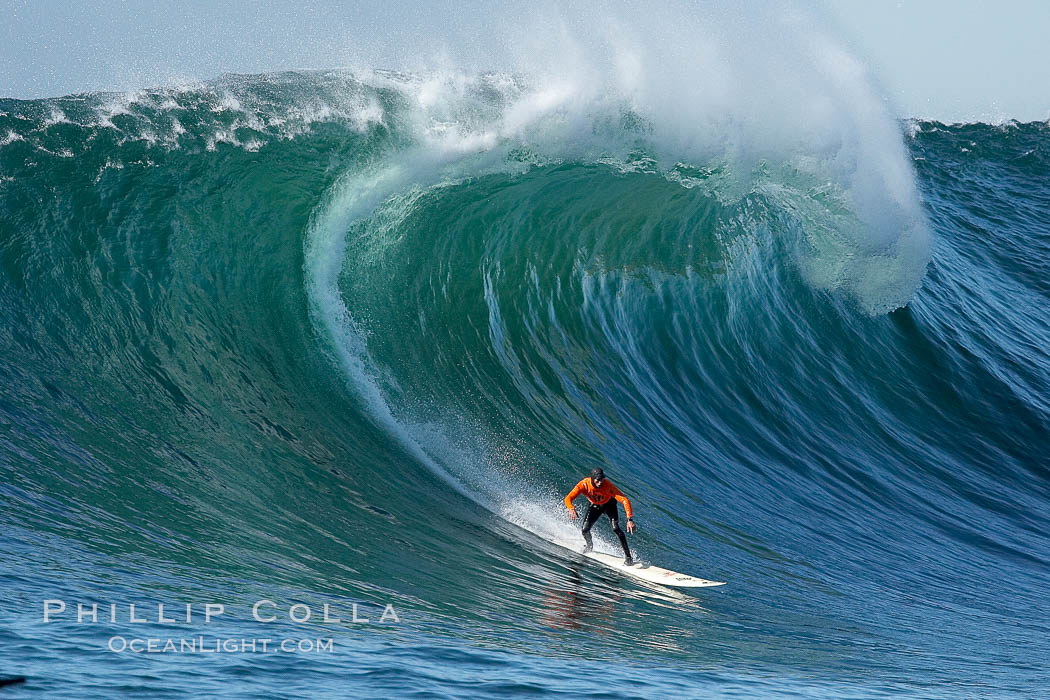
[602, 496]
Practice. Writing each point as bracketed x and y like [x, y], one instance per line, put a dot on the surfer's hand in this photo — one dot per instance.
[572, 514]
[630, 526]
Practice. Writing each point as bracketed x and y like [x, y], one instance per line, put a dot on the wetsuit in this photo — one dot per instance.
[602, 502]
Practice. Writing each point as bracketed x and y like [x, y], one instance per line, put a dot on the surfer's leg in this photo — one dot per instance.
[589, 519]
[614, 520]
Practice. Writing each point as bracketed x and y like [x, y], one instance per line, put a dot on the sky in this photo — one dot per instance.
[951, 60]
[955, 60]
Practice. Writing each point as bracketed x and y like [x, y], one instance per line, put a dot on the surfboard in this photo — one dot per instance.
[653, 574]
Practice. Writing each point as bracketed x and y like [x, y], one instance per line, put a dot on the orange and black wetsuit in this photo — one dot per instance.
[602, 502]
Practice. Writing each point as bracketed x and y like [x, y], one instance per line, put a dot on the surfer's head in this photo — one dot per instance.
[597, 476]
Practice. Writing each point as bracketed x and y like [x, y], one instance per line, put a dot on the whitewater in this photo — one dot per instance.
[343, 339]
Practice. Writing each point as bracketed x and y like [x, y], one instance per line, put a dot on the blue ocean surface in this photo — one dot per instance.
[332, 338]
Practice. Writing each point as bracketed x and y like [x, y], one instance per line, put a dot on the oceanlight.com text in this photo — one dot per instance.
[218, 645]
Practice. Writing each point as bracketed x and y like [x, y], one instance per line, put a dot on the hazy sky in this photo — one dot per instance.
[962, 60]
[944, 59]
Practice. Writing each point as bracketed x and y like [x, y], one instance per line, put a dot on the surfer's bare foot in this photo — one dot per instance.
[587, 548]
[628, 561]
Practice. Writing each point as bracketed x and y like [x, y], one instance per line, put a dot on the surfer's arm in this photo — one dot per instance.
[573, 494]
[623, 501]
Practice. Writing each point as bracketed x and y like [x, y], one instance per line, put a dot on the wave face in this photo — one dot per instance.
[350, 336]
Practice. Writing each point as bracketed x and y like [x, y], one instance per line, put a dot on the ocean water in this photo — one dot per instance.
[347, 337]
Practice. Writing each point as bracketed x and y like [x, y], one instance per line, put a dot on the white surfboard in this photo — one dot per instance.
[653, 574]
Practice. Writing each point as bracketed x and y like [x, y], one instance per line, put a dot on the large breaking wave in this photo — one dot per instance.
[356, 332]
